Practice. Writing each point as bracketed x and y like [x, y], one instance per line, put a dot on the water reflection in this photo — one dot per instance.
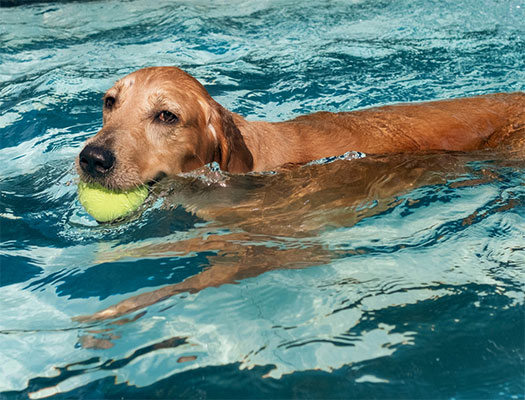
[263, 222]
[378, 277]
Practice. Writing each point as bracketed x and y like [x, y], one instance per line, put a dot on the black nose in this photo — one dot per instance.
[96, 161]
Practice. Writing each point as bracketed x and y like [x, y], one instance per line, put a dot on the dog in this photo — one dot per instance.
[160, 121]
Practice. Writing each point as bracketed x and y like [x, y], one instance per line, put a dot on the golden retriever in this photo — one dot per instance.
[160, 121]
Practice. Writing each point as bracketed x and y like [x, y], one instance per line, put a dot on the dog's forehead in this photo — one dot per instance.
[121, 86]
[151, 80]
[158, 87]
[127, 82]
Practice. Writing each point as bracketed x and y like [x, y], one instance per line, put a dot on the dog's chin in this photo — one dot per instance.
[112, 182]
[158, 177]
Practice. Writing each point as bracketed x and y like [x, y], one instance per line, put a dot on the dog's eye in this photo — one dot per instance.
[109, 102]
[167, 117]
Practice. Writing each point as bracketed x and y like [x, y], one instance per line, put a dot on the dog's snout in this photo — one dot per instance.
[96, 161]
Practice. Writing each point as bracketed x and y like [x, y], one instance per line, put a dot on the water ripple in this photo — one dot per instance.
[381, 277]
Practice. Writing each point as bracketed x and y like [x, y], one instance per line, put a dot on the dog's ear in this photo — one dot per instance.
[232, 154]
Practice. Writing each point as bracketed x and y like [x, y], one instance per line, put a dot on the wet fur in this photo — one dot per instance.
[205, 132]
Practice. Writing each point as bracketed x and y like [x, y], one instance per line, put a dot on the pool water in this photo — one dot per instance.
[351, 277]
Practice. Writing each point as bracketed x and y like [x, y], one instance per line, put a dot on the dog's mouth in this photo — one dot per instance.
[160, 176]
[112, 179]
[99, 166]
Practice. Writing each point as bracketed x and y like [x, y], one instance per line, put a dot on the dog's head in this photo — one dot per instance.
[160, 121]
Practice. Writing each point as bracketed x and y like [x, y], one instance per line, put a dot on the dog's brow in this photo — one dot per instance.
[161, 99]
[120, 87]
[113, 92]
[158, 97]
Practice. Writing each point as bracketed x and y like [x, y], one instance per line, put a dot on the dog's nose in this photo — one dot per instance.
[96, 161]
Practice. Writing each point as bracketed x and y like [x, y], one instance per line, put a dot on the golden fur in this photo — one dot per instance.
[144, 147]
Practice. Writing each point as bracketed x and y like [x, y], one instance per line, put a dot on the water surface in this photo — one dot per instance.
[374, 277]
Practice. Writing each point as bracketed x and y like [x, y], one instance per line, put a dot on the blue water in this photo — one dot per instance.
[342, 287]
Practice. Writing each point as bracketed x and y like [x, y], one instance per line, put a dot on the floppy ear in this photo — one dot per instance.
[232, 154]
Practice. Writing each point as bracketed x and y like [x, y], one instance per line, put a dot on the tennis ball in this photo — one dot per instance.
[108, 205]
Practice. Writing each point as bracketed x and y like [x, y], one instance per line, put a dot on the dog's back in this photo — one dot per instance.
[460, 124]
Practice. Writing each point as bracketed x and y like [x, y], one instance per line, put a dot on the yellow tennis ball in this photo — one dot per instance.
[108, 205]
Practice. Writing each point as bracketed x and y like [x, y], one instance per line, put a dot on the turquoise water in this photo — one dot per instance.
[374, 277]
